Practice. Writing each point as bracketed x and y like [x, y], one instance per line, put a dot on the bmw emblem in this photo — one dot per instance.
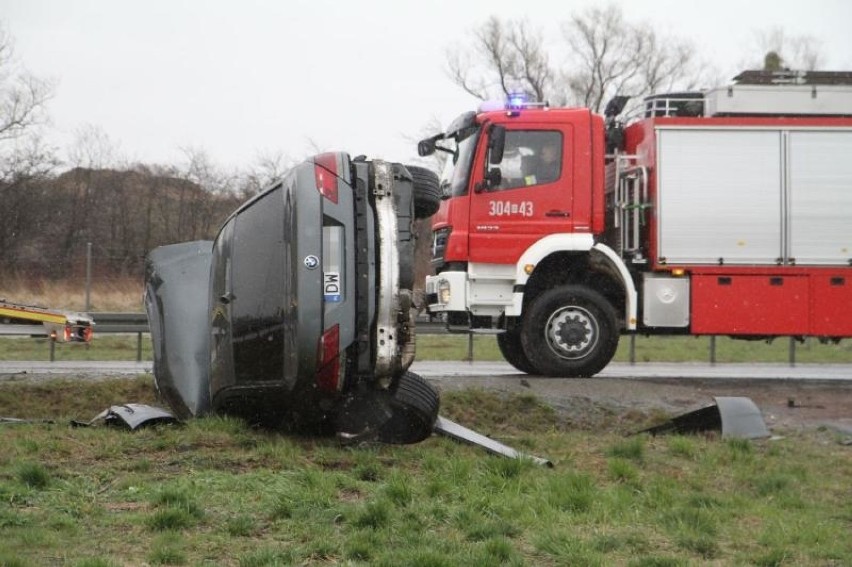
[311, 262]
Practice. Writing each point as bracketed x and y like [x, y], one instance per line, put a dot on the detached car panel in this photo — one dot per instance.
[177, 277]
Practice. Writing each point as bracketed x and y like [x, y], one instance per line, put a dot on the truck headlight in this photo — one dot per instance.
[443, 292]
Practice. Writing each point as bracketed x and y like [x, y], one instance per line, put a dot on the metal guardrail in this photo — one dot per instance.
[17, 329]
[105, 323]
[137, 323]
[115, 323]
[108, 322]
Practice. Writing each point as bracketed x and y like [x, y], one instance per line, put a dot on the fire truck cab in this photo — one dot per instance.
[724, 212]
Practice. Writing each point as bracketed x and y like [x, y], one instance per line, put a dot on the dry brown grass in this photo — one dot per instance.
[113, 294]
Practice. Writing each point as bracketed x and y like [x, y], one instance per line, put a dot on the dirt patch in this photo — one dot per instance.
[786, 405]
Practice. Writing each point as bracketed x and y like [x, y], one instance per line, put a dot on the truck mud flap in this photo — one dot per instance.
[176, 281]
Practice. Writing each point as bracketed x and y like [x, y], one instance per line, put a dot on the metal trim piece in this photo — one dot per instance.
[387, 360]
[736, 417]
[740, 418]
[133, 416]
[458, 432]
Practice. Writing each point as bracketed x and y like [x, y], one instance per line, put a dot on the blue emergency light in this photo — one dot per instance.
[516, 101]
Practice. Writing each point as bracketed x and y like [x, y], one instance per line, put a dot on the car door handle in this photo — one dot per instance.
[555, 213]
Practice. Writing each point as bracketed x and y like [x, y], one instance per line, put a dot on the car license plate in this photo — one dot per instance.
[331, 287]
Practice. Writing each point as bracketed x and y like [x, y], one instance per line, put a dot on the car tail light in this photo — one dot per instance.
[328, 353]
[75, 334]
[325, 171]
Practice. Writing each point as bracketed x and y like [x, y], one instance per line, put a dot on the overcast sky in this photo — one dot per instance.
[239, 78]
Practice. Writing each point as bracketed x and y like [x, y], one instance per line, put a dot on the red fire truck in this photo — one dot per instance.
[725, 212]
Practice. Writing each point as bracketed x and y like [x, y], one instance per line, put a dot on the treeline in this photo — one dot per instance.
[47, 220]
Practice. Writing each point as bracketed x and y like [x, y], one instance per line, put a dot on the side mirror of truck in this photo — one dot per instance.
[426, 147]
[496, 144]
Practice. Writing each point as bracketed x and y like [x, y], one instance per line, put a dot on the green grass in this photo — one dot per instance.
[655, 349]
[214, 492]
[456, 347]
[102, 347]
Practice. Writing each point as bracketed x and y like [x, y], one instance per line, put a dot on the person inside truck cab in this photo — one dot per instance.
[545, 164]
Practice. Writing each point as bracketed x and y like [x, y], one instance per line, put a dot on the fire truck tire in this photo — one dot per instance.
[570, 331]
[414, 405]
[510, 347]
[427, 191]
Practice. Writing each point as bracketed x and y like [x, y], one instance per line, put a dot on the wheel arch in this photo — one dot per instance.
[596, 266]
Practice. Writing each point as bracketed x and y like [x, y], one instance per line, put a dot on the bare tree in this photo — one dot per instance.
[779, 49]
[268, 167]
[25, 160]
[24, 203]
[611, 56]
[506, 57]
[93, 148]
[22, 96]
[605, 55]
[198, 171]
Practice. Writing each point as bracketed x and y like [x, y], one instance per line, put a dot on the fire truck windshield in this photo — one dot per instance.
[454, 179]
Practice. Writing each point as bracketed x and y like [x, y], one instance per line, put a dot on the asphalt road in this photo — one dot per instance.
[444, 370]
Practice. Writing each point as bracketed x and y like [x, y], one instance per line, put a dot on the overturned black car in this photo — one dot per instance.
[300, 314]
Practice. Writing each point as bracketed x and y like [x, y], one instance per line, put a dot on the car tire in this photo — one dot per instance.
[414, 405]
[427, 191]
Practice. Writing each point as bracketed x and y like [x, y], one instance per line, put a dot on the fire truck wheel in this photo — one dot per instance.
[570, 331]
[510, 347]
[414, 405]
[427, 191]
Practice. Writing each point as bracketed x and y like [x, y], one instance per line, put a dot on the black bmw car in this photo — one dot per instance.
[300, 313]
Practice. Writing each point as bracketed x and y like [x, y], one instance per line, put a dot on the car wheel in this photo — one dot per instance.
[427, 191]
[414, 408]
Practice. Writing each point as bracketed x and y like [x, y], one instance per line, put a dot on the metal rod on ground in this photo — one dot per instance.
[712, 349]
[632, 349]
[470, 347]
[88, 277]
[792, 351]
[138, 347]
[52, 342]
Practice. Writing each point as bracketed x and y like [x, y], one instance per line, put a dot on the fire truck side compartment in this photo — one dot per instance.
[760, 216]
[749, 304]
[799, 100]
